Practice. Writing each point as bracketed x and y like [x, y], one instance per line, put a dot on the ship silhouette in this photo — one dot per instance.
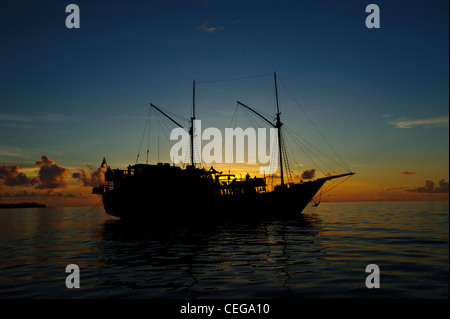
[167, 192]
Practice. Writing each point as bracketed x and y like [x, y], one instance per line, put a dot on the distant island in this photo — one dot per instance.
[21, 205]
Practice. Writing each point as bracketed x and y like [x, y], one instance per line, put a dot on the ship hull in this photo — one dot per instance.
[166, 206]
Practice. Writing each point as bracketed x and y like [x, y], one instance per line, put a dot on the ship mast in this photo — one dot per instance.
[277, 126]
[191, 130]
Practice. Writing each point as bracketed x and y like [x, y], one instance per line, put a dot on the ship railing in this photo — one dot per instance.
[230, 184]
[114, 174]
[230, 178]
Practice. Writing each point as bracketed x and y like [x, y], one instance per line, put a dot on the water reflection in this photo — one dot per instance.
[209, 260]
[322, 254]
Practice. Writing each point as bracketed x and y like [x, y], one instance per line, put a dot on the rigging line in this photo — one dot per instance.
[160, 125]
[159, 129]
[197, 148]
[84, 213]
[334, 186]
[317, 158]
[325, 188]
[158, 146]
[274, 101]
[166, 130]
[315, 126]
[297, 136]
[148, 137]
[163, 125]
[289, 172]
[273, 159]
[318, 150]
[297, 141]
[234, 117]
[262, 114]
[250, 119]
[143, 135]
[306, 153]
[267, 115]
[286, 155]
[253, 119]
[174, 115]
[187, 157]
[234, 114]
[236, 79]
[231, 122]
[291, 153]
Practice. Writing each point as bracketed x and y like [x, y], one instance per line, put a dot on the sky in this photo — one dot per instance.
[378, 96]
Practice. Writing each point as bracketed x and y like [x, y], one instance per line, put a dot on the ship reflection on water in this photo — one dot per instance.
[262, 258]
[321, 253]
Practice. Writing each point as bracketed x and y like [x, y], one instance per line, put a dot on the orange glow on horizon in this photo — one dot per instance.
[77, 189]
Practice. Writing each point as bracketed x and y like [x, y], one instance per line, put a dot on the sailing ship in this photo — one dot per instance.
[163, 191]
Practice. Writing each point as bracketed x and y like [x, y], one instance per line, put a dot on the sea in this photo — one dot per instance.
[379, 250]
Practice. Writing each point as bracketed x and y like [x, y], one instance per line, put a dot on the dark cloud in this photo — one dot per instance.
[50, 174]
[430, 188]
[10, 176]
[308, 174]
[407, 173]
[92, 179]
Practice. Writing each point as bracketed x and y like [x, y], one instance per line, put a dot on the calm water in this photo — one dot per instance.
[323, 254]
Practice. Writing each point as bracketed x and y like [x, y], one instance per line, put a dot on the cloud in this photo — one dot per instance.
[430, 188]
[421, 122]
[35, 117]
[209, 29]
[50, 174]
[236, 21]
[61, 194]
[407, 173]
[10, 151]
[92, 179]
[308, 174]
[397, 188]
[10, 176]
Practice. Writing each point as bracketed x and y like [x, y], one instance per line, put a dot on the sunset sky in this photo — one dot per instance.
[70, 97]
